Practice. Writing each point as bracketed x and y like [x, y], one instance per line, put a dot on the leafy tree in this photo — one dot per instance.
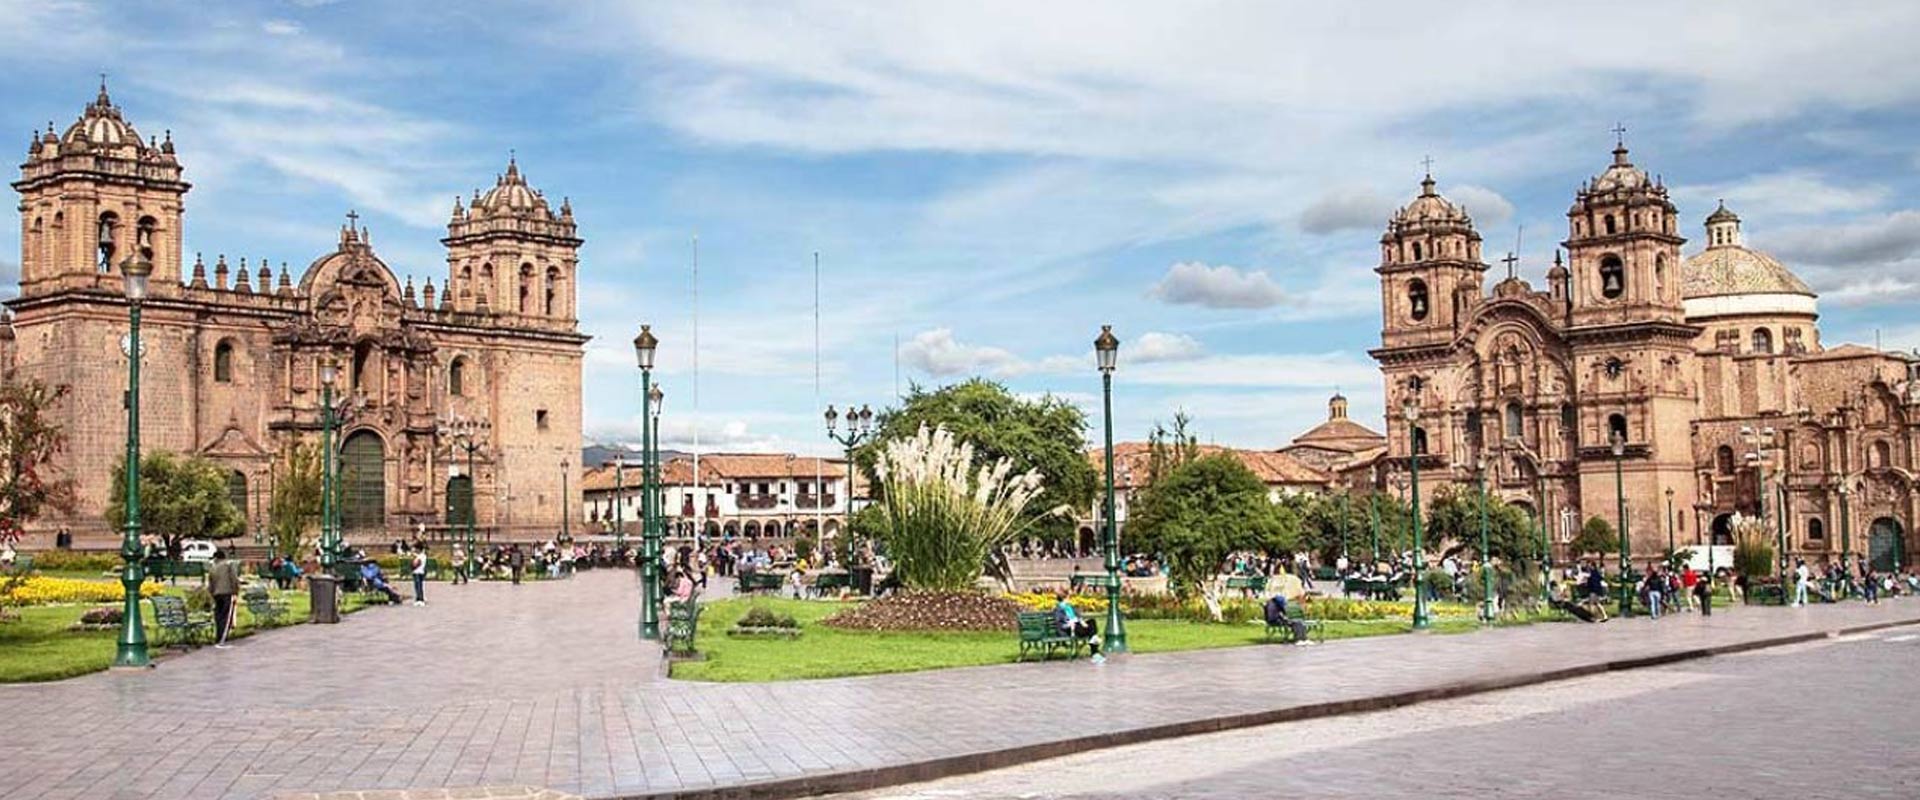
[179, 498]
[1336, 523]
[294, 514]
[1168, 449]
[29, 440]
[1200, 513]
[1047, 435]
[1597, 536]
[1455, 516]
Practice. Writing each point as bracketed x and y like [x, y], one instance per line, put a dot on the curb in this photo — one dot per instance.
[934, 769]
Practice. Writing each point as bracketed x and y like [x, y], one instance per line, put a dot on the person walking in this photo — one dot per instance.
[419, 574]
[459, 564]
[1870, 586]
[516, 561]
[1688, 580]
[223, 582]
[1703, 589]
[1800, 577]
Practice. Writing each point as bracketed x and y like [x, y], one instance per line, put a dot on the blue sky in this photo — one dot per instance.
[988, 182]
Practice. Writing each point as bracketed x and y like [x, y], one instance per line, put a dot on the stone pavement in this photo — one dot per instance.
[547, 685]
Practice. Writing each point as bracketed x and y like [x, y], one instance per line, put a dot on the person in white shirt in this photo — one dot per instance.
[420, 575]
[1800, 576]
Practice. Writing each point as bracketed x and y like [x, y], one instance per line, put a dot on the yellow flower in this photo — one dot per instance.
[41, 590]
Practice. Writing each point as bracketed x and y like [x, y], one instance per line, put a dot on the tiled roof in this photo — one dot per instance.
[718, 467]
[1733, 269]
[1132, 462]
[1341, 434]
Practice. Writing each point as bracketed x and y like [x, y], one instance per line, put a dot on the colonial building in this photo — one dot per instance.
[232, 351]
[1281, 471]
[1674, 358]
[737, 495]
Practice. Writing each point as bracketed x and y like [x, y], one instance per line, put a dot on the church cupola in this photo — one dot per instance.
[1430, 270]
[1723, 227]
[508, 252]
[1622, 247]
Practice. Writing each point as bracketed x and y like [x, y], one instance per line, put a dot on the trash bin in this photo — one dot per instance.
[861, 578]
[323, 591]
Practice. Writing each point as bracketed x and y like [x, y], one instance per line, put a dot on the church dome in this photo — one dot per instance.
[101, 125]
[1728, 277]
[1429, 206]
[511, 196]
[1621, 175]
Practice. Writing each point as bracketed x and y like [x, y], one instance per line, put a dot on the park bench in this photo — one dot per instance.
[265, 610]
[1316, 631]
[171, 570]
[1766, 594]
[1038, 634]
[1372, 588]
[174, 621]
[830, 581]
[682, 626]
[1326, 574]
[750, 582]
[1247, 584]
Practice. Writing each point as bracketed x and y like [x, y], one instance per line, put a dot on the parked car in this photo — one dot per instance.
[196, 550]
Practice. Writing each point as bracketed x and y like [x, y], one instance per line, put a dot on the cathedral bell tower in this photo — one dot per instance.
[511, 255]
[1430, 270]
[92, 198]
[1632, 348]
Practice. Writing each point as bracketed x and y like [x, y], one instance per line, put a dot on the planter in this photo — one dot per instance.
[763, 633]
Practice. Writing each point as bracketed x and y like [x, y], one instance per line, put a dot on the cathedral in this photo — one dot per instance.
[232, 350]
[1699, 380]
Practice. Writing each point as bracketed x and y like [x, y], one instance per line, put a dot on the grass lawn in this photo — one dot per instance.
[823, 652]
[39, 647]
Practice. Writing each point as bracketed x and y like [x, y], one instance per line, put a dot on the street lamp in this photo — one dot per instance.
[329, 373]
[1106, 351]
[467, 434]
[619, 495]
[566, 515]
[1846, 530]
[1487, 613]
[653, 535]
[1411, 411]
[859, 429]
[131, 650]
[1546, 542]
[1670, 524]
[643, 350]
[1761, 444]
[1618, 444]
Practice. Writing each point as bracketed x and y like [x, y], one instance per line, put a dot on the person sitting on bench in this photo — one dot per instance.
[370, 575]
[1276, 612]
[1068, 621]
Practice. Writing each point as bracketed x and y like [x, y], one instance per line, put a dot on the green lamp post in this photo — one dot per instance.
[644, 346]
[1421, 618]
[1619, 447]
[859, 429]
[131, 648]
[656, 535]
[1670, 546]
[1846, 527]
[1106, 348]
[466, 434]
[1373, 521]
[1487, 611]
[619, 495]
[1546, 543]
[329, 498]
[566, 502]
[1343, 525]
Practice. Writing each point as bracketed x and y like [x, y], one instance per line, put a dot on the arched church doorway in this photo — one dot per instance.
[460, 501]
[1885, 540]
[1723, 529]
[1087, 543]
[363, 483]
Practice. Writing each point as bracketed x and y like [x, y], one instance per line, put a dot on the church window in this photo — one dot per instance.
[1616, 427]
[1614, 368]
[1660, 275]
[1723, 460]
[1726, 341]
[109, 228]
[1514, 421]
[1816, 530]
[457, 378]
[237, 492]
[553, 290]
[1882, 454]
[1609, 223]
[1475, 427]
[1569, 419]
[526, 288]
[1762, 341]
[540, 419]
[223, 362]
[362, 362]
[1420, 441]
[1416, 251]
[1791, 343]
[143, 238]
[1613, 277]
[1417, 299]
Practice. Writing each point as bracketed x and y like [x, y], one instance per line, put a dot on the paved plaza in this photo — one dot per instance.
[546, 685]
[1737, 726]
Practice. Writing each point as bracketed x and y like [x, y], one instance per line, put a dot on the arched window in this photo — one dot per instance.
[1660, 275]
[1416, 251]
[109, 229]
[1613, 277]
[362, 362]
[223, 362]
[1420, 441]
[1609, 224]
[1762, 340]
[526, 288]
[1723, 460]
[1417, 299]
[1816, 530]
[1616, 427]
[1882, 454]
[237, 492]
[553, 290]
[1569, 419]
[1514, 421]
[1474, 427]
[457, 378]
[143, 237]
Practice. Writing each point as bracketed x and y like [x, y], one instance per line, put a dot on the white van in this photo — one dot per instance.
[196, 550]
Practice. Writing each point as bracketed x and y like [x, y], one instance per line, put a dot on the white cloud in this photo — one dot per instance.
[281, 27]
[1794, 192]
[1871, 262]
[1195, 283]
[1269, 370]
[1346, 209]
[1155, 346]
[1489, 210]
[937, 353]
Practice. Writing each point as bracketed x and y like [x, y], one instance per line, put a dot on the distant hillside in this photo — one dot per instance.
[596, 455]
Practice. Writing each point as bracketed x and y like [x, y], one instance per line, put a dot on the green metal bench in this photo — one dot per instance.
[1326, 574]
[1038, 634]
[265, 610]
[750, 582]
[1766, 594]
[168, 569]
[682, 626]
[831, 581]
[175, 622]
[1316, 631]
[1249, 584]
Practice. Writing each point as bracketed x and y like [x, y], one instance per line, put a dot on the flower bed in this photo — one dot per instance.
[930, 611]
[761, 623]
[41, 590]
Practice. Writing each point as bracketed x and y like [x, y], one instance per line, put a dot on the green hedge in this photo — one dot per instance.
[75, 561]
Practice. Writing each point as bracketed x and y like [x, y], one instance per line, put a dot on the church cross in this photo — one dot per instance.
[1620, 133]
[353, 219]
[1510, 260]
[1427, 162]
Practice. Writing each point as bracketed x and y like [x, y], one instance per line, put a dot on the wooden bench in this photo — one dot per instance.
[266, 611]
[171, 618]
[682, 626]
[1038, 634]
[750, 582]
[1247, 584]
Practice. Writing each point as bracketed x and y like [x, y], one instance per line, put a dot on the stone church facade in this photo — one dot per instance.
[233, 350]
[1678, 357]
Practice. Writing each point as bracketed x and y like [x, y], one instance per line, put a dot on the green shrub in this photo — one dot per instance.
[103, 615]
[76, 561]
[198, 600]
[1752, 549]
[763, 617]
